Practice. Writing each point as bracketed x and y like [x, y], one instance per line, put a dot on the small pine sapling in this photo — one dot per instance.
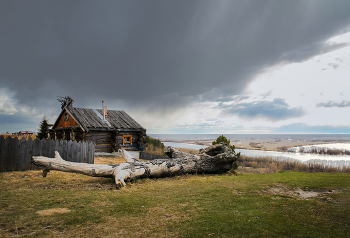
[43, 129]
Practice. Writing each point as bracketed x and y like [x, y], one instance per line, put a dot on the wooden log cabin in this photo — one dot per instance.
[110, 130]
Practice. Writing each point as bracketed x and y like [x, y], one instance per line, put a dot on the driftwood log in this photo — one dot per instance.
[214, 159]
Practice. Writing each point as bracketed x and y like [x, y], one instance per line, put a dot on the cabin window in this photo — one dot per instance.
[66, 117]
[127, 139]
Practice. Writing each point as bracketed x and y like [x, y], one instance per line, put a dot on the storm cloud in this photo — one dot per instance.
[158, 59]
[275, 110]
[155, 51]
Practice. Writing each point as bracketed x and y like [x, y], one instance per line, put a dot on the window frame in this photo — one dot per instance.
[125, 141]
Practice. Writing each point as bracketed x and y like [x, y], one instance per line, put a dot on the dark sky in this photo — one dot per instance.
[161, 53]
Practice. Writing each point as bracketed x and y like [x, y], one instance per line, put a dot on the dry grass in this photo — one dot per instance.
[188, 150]
[92, 207]
[109, 160]
[183, 206]
[154, 150]
[76, 205]
[19, 137]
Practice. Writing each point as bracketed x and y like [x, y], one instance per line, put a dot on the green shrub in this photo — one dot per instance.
[155, 142]
[222, 138]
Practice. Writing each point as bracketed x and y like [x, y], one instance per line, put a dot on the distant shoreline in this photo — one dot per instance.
[268, 142]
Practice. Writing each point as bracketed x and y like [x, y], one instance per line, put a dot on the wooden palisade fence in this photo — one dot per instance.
[17, 154]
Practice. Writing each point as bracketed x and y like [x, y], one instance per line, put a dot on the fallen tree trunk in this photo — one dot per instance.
[214, 159]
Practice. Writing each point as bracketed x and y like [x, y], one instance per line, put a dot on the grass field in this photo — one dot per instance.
[284, 204]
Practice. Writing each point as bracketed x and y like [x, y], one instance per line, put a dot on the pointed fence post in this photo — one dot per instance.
[79, 157]
[36, 150]
[84, 152]
[65, 150]
[70, 151]
[28, 154]
[43, 148]
[60, 148]
[91, 148]
[52, 146]
[47, 151]
[21, 154]
[7, 161]
[75, 152]
[57, 145]
[2, 153]
[13, 154]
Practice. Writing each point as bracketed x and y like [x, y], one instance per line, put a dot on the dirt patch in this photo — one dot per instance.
[298, 193]
[52, 211]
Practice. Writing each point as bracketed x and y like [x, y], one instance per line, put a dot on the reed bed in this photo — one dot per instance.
[323, 151]
[268, 164]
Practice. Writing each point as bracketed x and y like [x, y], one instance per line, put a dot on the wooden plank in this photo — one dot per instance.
[47, 151]
[43, 148]
[52, 146]
[94, 138]
[102, 142]
[88, 151]
[60, 148]
[36, 150]
[21, 154]
[100, 129]
[99, 138]
[98, 134]
[65, 150]
[75, 151]
[2, 153]
[84, 152]
[79, 157]
[99, 146]
[70, 151]
[57, 145]
[14, 146]
[7, 157]
[28, 154]
[91, 152]
[92, 160]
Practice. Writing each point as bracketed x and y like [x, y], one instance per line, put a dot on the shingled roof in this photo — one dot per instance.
[87, 118]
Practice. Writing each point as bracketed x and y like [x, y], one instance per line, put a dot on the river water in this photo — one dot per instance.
[331, 160]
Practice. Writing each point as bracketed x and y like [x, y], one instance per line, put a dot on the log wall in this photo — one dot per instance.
[102, 140]
[105, 140]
